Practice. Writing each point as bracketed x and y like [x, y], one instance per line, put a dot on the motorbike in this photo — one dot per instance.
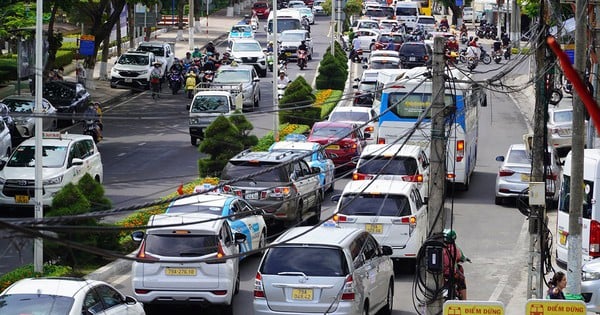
[450, 290]
[497, 56]
[281, 90]
[90, 128]
[302, 59]
[208, 76]
[190, 84]
[464, 38]
[175, 81]
[472, 63]
[270, 61]
[484, 56]
[356, 55]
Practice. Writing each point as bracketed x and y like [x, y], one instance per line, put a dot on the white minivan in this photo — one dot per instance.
[590, 229]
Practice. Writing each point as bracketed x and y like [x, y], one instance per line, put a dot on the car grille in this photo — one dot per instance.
[129, 73]
[249, 59]
[14, 187]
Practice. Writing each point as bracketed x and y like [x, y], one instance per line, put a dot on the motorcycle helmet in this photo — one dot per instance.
[449, 235]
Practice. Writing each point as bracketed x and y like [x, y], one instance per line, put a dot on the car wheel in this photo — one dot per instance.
[365, 310]
[389, 305]
[498, 201]
[331, 187]
[113, 84]
[256, 100]
[194, 141]
[316, 218]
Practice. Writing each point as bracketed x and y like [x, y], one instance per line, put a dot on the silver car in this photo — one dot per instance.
[21, 109]
[514, 174]
[560, 124]
[590, 285]
[327, 270]
[240, 74]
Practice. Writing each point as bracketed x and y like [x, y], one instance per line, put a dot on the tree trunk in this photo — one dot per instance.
[54, 42]
[104, 58]
[119, 40]
[131, 28]
[180, 8]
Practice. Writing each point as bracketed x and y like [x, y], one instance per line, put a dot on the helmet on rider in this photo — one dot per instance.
[449, 235]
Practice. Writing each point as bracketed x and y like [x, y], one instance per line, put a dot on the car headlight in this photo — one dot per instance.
[143, 71]
[589, 275]
[2, 181]
[194, 121]
[53, 181]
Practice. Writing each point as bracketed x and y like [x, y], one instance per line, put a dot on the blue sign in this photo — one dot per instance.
[86, 47]
[459, 3]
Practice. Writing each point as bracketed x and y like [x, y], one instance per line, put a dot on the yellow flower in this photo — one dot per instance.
[322, 96]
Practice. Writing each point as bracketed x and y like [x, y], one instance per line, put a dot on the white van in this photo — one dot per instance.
[287, 19]
[590, 229]
[406, 13]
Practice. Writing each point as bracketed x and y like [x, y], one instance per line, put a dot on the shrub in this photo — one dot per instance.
[63, 58]
[265, 142]
[295, 103]
[332, 74]
[330, 103]
[221, 142]
[26, 271]
[8, 67]
[244, 126]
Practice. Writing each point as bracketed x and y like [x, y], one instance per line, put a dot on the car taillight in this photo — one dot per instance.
[380, 140]
[143, 255]
[227, 189]
[369, 129]
[340, 218]
[277, 192]
[426, 57]
[360, 176]
[594, 248]
[505, 172]
[460, 150]
[348, 289]
[220, 255]
[238, 192]
[142, 291]
[259, 291]
[413, 178]
[219, 292]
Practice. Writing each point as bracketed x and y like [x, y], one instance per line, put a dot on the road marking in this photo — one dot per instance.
[142, 143]
[504, 278]
[121, 154]
[126, 101]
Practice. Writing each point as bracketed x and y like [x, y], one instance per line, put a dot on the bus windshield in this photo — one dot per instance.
[413, 105]
[284, 24]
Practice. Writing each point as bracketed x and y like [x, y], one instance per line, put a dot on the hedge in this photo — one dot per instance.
[26, 271]
[265, 142]
[329, 103]
[63, 58]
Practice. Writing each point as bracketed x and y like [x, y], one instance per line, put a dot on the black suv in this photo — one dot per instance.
[415, 54]
[286, 194]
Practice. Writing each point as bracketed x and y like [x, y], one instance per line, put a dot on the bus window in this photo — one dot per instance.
[413, 105]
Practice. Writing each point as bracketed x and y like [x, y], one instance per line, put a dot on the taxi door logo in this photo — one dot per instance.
[454, 310]
[536, 309]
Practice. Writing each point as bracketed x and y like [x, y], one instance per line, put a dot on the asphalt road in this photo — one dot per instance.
[147, 154]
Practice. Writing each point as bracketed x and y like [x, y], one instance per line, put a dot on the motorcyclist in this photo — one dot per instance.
[305, 23]
[473, 49]
[196, 53]
[302, 46]
[210, 48]
[155, 76]
[283, 79]
[355, 47]
[270, 46]
[453, 256]
[94, 112]
[188, 60]
[452, 44]
[444, 23]
[209, 64]
[463, 30]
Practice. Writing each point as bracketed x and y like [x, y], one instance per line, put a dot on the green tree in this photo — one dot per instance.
[221, 142]
[54, 39]
[295, 104]
[244, 126]
[94, 192]
[332, 73]
[352, 8]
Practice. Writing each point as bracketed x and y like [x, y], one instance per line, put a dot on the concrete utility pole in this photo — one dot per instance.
[537, 217]
[577, 142]
[191, 25]
[515, 25]
[437, 188]
[38, 245]
[275, 73]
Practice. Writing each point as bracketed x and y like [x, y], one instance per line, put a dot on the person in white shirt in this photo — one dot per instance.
[283, 79]
[355, 46]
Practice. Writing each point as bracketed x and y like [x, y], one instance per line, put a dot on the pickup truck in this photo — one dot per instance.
[208, 104]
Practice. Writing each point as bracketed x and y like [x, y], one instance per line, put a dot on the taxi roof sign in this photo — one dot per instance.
[51, 135]
[473, 307]
[555, 307]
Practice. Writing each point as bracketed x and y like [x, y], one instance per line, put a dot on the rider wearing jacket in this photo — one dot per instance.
[453, 256]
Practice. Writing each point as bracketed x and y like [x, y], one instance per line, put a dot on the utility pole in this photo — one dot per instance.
[275, 73]
[515, 25]
[437, 188]
[537, 216]
[191, 25]
[577, 142]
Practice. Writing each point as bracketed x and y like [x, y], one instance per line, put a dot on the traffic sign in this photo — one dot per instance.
[457, 307]
[555, 307]
[87, 37]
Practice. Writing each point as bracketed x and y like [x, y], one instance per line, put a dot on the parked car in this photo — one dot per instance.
[343, 141]
[288, 194]
[325, 270]
[560, 124]
[242, 217]
[21, 110]
[513, 176]
[162, 52]
[415, 54]
[261, 9]
[6, 143]
[248, 51]
[184, 257]
[66, 296]
[291, 39]
[69, 99]
[245, 75]
[133, 69]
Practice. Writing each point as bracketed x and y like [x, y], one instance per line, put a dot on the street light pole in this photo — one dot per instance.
[38, 247]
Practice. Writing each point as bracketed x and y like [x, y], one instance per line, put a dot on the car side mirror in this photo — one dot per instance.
[129, 300]
[425, 200]
[3, 162]
[257, 79]
[386, 250]
[137, 236]
[76, 161]
[335, 198]
[500, 158]
[239, 238]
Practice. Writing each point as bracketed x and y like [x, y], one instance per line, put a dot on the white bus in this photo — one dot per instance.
[287, 19]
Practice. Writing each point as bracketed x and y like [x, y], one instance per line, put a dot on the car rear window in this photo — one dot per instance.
[375, 205]
[518, 156]
[260, 5]
[310, 260]
[186, 245]
[413, 49]
[235, 169]
[35, 304]
[564, 116]
[399, 165]
[349, 116]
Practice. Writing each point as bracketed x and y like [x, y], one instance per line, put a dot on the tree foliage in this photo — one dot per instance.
[244, 126]
[221, 142]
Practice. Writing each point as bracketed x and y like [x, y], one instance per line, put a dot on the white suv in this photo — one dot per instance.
[325, 270]
[66, 158]
[185, 258]
[162, 52]
[249, 52]
[132, 69]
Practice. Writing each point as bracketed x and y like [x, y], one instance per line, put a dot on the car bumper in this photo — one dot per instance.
[261, 307]
[203, 297]
[281, 210]
[25, 199]
[132, 82]
[591, 295]
[513, 189]
[560, 142]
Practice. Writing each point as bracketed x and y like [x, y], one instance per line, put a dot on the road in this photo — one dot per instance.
[147, 154]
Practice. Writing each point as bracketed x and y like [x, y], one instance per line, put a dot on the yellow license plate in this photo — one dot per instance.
[374, 228]
[180, 271]
[22, 199]
[302, 294]
[288, 53]
[333, 147]
[524, 178]
[563, 239]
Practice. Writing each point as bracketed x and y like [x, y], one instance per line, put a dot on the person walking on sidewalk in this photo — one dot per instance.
[155, 76]
[80, 73]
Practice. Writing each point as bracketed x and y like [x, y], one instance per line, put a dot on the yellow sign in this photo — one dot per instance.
[555, 307]
[87, 37]
[473, 307]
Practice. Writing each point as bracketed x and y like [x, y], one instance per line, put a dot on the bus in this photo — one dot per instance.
[405, 108]
[287, 19]
[425, 7]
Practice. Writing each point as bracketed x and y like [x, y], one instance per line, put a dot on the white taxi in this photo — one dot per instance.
[392, 210]
[66, 158]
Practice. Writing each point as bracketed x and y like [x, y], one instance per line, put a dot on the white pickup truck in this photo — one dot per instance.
[208, 104]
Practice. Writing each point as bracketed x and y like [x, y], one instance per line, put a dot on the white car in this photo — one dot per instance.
[365, 24]
[162, 52]
[383, 62]
[469, 14]
[392, 210]
[235, 74]
[248, 51]
[367, 38]
[21, 108]
[296, 4]
[357, 115]
[318, 7]
[133, 69]
[240, 31]
[308, 13]
[66, 159]
[291, 39]
[68, 296]
[187, 257]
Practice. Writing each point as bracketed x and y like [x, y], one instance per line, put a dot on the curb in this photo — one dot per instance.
[117, 267]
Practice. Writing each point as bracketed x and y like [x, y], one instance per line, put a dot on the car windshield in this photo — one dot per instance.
[284, 24]
[384, 64]
[305, 11]
[413, 49]
[291, 37]
[399, 165]
[260, 5]
[157, 50]
[375, 204]
[19, 106]
[313, 261]
[235, 169]
[331, 132]
[24, 156]
[561, 117]
[253, 46]
[35, 303]
[349, 116]
[241, 28]
[232, 76]
[518, 156]
[183, 245]
[367, 86]
[195, 208]
[136, 60]
[210, 104]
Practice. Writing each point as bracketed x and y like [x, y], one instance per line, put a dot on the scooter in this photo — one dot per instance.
[90, 128]
[472, 63]
[208, 76]
[302, 59]
[190, 84]
[269, 57]
[281, 90]
[175, 81]
[356, 55]
[497, 56]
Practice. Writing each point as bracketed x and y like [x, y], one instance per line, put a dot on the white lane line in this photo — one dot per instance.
[121, 154]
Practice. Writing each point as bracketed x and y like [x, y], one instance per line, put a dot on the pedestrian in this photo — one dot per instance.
[80, 72]
[557, 284]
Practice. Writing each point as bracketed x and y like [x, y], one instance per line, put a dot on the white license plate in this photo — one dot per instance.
[252, 195]
[128, 80]
[412, 59]
[525, 178]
